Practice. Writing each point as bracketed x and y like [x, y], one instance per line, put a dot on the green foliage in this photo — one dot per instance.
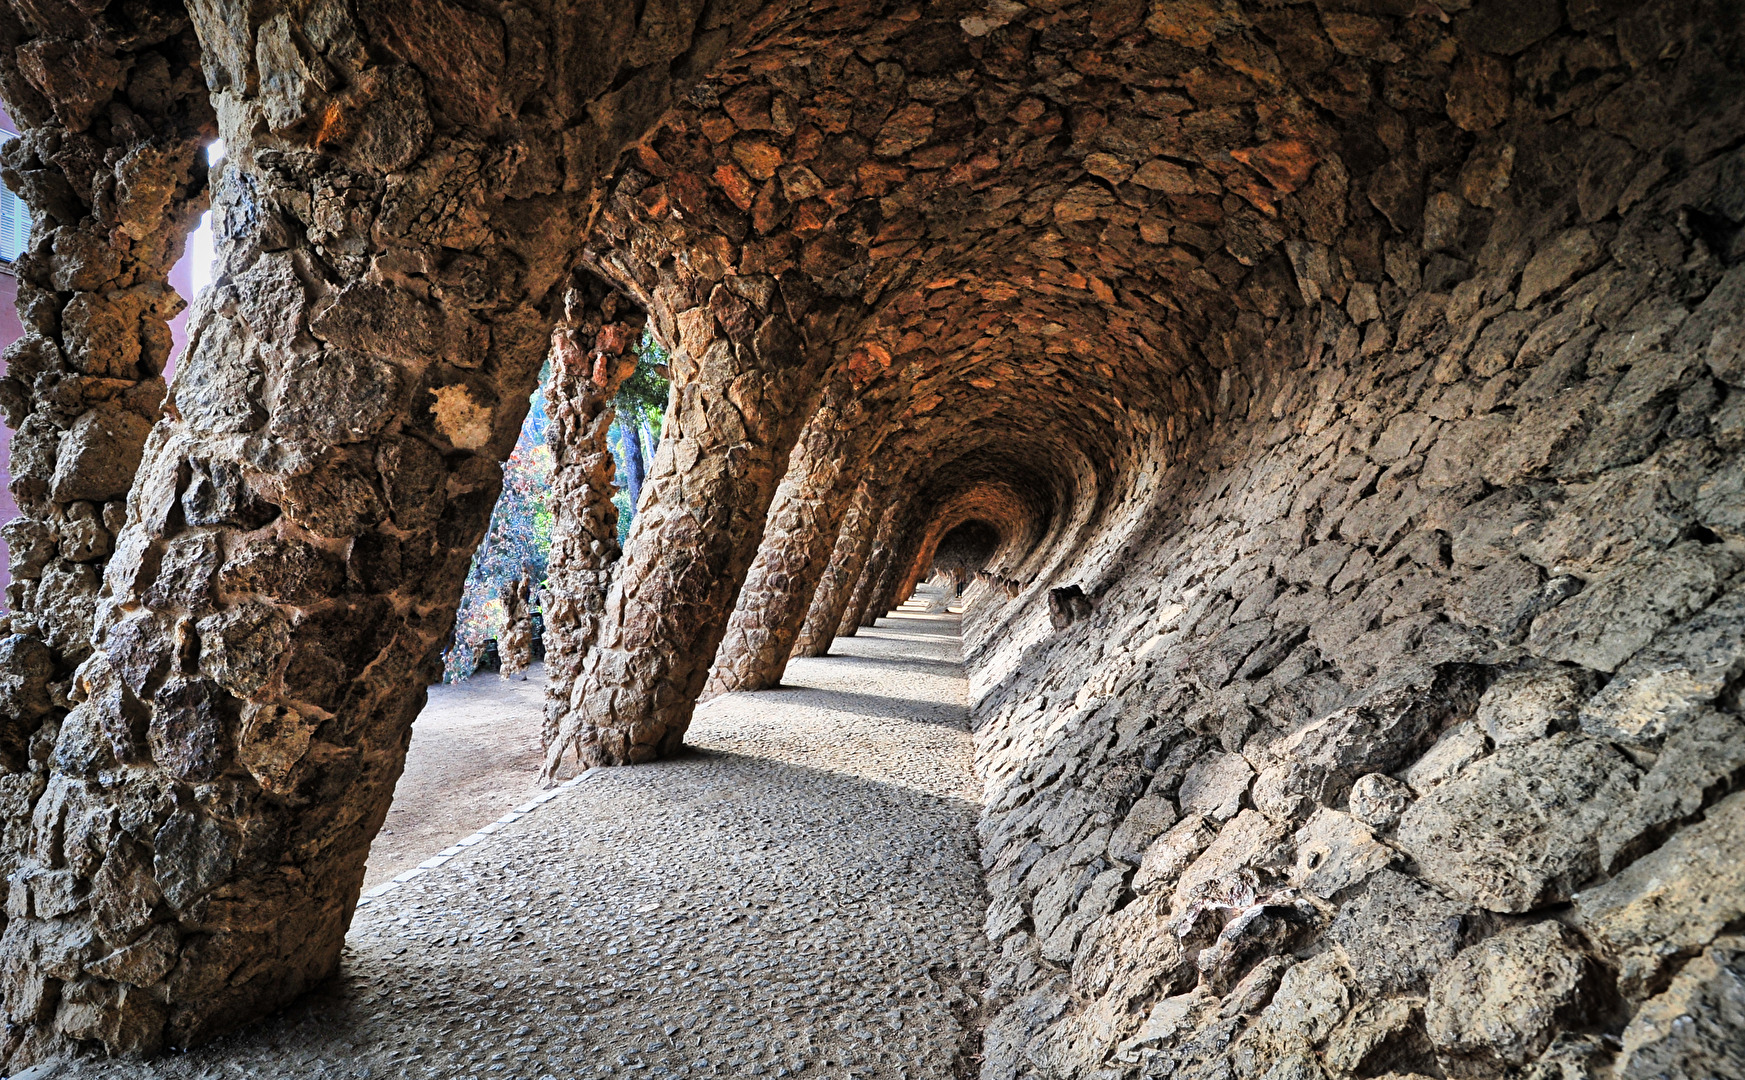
[644, 395]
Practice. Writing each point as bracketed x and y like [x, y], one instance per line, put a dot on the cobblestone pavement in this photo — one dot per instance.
[799, 897]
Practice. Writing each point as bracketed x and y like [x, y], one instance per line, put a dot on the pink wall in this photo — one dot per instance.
[10, 330]
[181, 278]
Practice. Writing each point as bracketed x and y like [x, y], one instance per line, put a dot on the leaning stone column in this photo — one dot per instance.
[805, 518]
[888, 593]
[394, 240]
[744, 384]
[872, 577]
[592, 353]
[834, 592]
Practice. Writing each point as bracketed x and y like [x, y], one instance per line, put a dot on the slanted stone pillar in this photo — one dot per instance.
[805, 518]
[847, 558]
[110, 160]
[861, 610]
[592, 353]
[893, 576]
[397, 215]
[746, 362]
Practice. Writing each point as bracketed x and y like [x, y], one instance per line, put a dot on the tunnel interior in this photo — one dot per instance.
[1342, 403]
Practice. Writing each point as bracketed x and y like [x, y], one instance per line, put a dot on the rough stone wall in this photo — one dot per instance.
[1404, 735]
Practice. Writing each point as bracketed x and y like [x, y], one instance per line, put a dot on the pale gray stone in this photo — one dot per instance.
[1530, 704]
[1673, 901]
[1378, 800]
[1521, 828]
[1498, 1003]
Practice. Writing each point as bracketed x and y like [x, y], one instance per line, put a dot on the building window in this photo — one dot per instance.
[14, 217]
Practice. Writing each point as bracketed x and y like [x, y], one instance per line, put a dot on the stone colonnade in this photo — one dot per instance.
[807, 517]
[1368, 381]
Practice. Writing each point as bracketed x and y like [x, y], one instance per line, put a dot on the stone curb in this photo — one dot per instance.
[371, 895]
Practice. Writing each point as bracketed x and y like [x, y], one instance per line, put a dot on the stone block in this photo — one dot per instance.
[1458, 747]
[1398, 932]
[99, 454]
[1215, 786]
[1249, 852]
[1378, 800]
[1145, 821]
[1335, 852]
[1696, 1029]
[1520, 829]
[1682, 670]
[1702, 758]
[1623, 610]
[1672, 902]
[1522, 706]
[1171, 853]
[1497, 1004]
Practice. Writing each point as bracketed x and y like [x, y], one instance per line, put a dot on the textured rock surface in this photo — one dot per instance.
[592, 353]
[1353, 393]
[300, 525]
[517, 643]
[806, 517]
[836, 589]
[1425, 622]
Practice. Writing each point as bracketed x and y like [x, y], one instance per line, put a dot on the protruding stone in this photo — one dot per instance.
[1498, 1003]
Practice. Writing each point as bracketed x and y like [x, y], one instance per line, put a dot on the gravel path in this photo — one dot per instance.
[798, 897]
[474, 754]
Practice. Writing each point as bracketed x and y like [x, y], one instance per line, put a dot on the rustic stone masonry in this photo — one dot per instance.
[744, 375]
[592, 352]
[857, 613]
[1354, 389]
[836, 588]
[516, 646]
[113, 119]
[403, 195]
[964, 551]
[1411, 743]
[806, 518]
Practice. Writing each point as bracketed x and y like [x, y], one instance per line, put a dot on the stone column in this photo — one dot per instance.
[592, 353]
[830, 600]
[110, 161]
[516, 646]
[894, 575]
[746, 362]
[867, 588]
[805, 519]
[396, 222]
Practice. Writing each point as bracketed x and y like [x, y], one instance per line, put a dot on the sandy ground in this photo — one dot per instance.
[797, 896]
[474, 755]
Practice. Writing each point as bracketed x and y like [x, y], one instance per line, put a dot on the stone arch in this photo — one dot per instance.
[1371, 371]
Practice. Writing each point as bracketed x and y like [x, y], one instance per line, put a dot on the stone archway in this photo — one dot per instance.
[1372, 371]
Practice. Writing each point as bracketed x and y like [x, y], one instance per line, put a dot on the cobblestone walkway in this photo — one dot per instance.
[799, 897]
